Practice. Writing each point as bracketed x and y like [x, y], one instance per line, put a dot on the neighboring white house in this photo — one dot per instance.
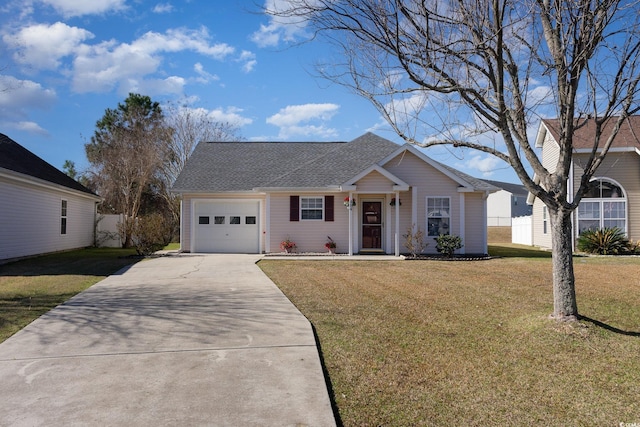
[365, 194]
[613, 197]
[41, 209]
[510, 202]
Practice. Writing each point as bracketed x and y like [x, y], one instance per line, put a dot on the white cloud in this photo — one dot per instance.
[249, 60]
[27, 126]
[19, 96]
[163, 8]
[292, 120]
[43, 46]
[230, 115]
[106, 65]
[294, 114]
[279, 28]
[170, 85]
[69, 8]
[486, 166]
[205, 77]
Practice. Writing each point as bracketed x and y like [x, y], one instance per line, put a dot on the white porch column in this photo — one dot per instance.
[267, 223]
[414, 209]
[397, 237]
[350, 223]
[463, 225]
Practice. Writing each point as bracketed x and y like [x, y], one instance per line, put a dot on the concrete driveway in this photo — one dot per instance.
[176, 341]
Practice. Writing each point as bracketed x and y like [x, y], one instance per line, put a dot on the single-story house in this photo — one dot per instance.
[613, 199]
[41, 208]
[509, 202]
[248, 197]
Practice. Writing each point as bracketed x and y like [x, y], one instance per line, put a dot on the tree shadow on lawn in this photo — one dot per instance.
[87, 262]
[511, 250]
[609, 327]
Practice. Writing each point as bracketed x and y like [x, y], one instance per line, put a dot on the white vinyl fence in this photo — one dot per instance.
[498, 221]
[522, 230]
[107, 235]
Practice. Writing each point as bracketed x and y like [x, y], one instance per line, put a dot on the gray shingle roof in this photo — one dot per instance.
[517, 189]
[16, 158]
[243, 166]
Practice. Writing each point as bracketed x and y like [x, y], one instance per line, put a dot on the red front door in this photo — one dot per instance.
[371, 225]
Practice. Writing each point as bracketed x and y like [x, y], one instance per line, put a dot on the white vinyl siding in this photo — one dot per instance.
[31, 219]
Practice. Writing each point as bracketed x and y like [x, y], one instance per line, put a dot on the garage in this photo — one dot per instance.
[226, 226]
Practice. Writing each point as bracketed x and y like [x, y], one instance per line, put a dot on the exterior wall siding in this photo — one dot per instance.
[540, 238]
[309, 235]
[430, 182]
[374, 182]
[550, 155]
[30, 220]
[474, 241]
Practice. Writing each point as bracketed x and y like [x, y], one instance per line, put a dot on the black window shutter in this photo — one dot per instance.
[328, 208]
[294, 208]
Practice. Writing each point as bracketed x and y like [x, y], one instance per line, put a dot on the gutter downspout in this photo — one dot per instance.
[397, 236]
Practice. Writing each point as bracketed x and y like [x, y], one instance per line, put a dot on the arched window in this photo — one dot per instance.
[603, 206]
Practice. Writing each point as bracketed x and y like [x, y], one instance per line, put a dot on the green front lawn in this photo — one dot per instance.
[436, 343]
[31, 287]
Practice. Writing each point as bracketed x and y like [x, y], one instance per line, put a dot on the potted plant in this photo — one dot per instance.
[348, 202]
[287, 245]
[330, 245]
[393, 202]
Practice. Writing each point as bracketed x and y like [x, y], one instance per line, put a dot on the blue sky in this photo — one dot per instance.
[63, 62]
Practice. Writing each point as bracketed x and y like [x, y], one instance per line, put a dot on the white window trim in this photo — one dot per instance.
[426, 205]
[64, 215]
[321, 198]
[601, 200]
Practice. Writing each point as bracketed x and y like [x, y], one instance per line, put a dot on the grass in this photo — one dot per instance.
[31, 287]
[434, 343]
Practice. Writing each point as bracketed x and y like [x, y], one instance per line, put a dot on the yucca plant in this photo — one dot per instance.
[604, 241]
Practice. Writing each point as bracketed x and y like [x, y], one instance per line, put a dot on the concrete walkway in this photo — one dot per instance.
[184, 340]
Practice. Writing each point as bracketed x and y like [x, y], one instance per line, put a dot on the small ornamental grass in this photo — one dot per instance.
[604, 241]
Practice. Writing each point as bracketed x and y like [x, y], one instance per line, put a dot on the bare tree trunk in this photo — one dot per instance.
[564, 291]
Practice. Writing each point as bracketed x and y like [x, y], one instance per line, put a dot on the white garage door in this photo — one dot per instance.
[227, 226]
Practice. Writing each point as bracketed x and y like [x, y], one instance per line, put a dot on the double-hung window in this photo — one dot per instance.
[438, 215]
[63, 217]
[311, 208]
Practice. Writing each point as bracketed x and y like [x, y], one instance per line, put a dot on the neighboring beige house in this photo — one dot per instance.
[509, 202]
[247, 197]
[41, 209]
[614, 197]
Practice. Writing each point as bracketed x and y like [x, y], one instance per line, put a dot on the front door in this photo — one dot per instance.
[372, 225]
